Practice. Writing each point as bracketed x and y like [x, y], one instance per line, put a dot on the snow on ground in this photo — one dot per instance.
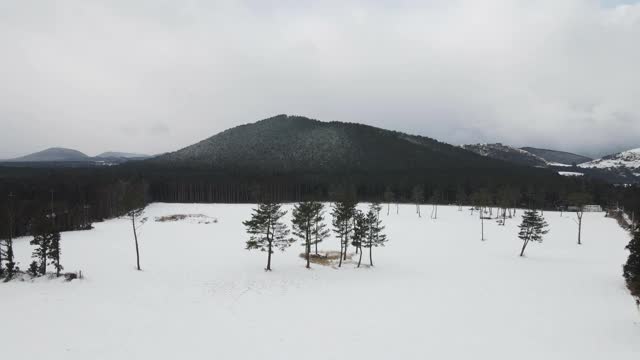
[570, 173]
[436, 291]
[558, 164]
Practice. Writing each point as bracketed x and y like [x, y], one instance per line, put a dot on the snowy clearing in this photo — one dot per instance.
[436, 291]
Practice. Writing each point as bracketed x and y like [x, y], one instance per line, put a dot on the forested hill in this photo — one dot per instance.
[293, 144]
[286, 158]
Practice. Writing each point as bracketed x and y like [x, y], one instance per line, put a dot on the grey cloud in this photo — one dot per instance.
[159, 129]
[560, 74]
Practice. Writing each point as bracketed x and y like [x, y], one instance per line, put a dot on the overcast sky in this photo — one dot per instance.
[154, 76]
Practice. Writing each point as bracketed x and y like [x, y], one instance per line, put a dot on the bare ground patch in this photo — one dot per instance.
[326, 258]
[194, 218]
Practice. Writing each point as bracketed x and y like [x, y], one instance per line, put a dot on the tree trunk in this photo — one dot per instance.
[580, 229]
[523, 247]
[341, 250]
[58, 262]
[1, 268]
[346, 242]
[360, 258]
[370, 254]
[308, 248]
[388, 208]
[43, 264]
[269, 257]
[135, 237]
[10, 261]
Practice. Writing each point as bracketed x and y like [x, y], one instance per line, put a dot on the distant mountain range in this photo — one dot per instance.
[623, 167]
[293, 144]
[71, 157]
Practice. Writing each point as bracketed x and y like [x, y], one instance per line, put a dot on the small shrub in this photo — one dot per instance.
[70, 276]
[34, 269]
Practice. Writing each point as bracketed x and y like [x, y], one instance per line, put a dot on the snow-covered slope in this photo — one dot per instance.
[507, 153]
[557, 158]
[629, 159]
[436, 291]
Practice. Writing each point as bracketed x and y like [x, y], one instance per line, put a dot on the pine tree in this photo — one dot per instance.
[342, 213]
[53, 252]
[375, 237]
[532, 228]
[43, 233]
[631, 269]
[266, 230]
[360, 231]
[8, 252]
[303, 219]
[34, 269]
[320, 230]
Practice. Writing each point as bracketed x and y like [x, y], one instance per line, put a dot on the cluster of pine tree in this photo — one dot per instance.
[9, 268]
[267, 232]
[46, 242]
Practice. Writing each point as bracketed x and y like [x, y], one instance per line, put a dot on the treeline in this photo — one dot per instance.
[84, 196]
[78, 196]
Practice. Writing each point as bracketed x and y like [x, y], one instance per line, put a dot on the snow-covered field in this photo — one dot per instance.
[436, 291]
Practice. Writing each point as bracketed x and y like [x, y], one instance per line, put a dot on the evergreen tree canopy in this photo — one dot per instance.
[306, 218]
[46, 242]
[532, 228]
[375, 237]
[266, 231]
[320, 230]
[631, 269]
[342, 219]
